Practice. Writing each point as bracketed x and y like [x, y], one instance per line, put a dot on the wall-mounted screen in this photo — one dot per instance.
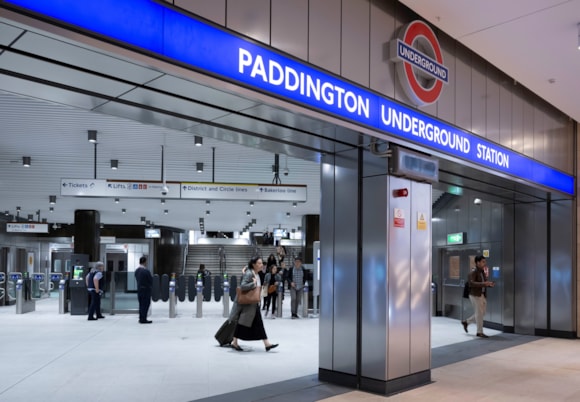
[152, 233]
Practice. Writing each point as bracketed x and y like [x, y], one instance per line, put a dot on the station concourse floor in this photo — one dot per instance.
[49, 357]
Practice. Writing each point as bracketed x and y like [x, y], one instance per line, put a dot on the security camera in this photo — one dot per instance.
[164, 189]
[286, 171]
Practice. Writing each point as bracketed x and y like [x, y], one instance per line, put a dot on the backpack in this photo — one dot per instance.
[466, 290]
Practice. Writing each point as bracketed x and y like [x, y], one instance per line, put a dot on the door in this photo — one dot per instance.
[456, 265]
[119, 296]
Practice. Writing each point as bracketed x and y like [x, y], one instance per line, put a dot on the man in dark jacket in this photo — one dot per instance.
[477, 285]
[144, 285]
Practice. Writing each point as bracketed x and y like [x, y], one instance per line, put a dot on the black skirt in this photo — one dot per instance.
[254, 333]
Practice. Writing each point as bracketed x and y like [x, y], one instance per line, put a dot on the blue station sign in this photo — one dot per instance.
[151, 26]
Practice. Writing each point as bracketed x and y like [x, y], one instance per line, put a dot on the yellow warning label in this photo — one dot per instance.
[421, 221]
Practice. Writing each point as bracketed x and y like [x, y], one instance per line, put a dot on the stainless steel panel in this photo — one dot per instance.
[539, 135]
[446, 102]
[192, 90]
[463, 88]
[52, 94]
[537, 244]
[374, 278]
[250, 17]
[485, 224]
[327, 230]
[478, 94]
[528, 140]
[173, 104]
[354, 39]
[562, 267]
[508, 312]
[505, 116]
[213, 10]
[290, 27]
[324, 34]
[492, 105]
[517, 121]
[399, 282]
[382, 27]
[8, 34]
[62, 75]
[420, 303]
[144, 116]
[345, 262]
[85, 58]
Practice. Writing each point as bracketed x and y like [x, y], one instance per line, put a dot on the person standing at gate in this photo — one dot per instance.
[144, 285]
[296, 281]
[477, 285]
[94, 287]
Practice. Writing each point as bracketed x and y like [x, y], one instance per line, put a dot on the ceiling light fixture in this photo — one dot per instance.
[26, 161]
[51, 210]
[199, 167]
[116, 200]
[207, 202]
[248, 213]
[163, 201]
[92, 136]
[294, 204]
[207, 212]
[287, 214]
[30, 217]
[198, 141]
[166, 211]
[124, 211]
[251, 203]
[114, 164]
[143, 219]
[52, 199]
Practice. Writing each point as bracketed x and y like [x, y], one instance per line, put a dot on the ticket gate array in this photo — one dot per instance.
[24, 302]
[62, 291]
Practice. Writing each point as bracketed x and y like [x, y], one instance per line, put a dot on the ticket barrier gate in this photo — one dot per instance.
[62, 284]
[2, 291]
[279, 301]
[226, 295]
[24, 303]
[38, 285]
[305, 300]
[172, 297]
[199, 296]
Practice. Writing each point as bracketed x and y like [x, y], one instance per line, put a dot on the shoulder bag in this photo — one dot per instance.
[249, 297]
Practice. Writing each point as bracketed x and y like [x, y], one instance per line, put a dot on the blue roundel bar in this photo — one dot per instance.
[153, 27]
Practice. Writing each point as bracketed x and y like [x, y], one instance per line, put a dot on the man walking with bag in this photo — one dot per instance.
[477, 285]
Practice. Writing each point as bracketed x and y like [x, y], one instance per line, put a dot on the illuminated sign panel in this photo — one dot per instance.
[456, 238]
[154, 27]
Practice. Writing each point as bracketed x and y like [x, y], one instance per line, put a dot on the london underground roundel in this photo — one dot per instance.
[420, 67]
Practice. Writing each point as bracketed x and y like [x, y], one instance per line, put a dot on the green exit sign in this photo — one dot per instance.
[456, 238]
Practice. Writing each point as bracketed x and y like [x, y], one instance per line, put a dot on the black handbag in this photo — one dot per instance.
[466, 290]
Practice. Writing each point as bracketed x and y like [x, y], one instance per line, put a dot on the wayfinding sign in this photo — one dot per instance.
[27, 227]
[249, 192]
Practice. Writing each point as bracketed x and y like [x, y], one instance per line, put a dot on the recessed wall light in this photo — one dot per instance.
[114, 164]
[92, 135]
[26, 161]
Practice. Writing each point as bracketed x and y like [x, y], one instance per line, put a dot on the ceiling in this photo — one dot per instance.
[534, 41]
[53, 90]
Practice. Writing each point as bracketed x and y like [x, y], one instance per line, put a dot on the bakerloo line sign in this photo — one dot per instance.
[223, 54]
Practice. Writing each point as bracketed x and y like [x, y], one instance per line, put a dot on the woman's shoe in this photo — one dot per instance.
[275, 345]
[237, 347]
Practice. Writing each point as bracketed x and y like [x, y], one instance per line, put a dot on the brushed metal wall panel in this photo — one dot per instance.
[420, 302]
[250, 17]
[474, 228]
[324, 34]
[374, 278]
[399, 283]
[463, 88]
[562, 267]
[355, 32]
[517, 121]
[327, 224]
[492, 104]
[505, 117]
[539, 134]
[538, 242]
[345, 262]
[478, 94]
[524, 270]
[528, 139]
[213, 10]
[508, 265]
[382, 72]
[485, 224]
[446, 102]
[290, 27]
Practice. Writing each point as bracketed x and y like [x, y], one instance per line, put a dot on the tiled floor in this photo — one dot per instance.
[50, 357]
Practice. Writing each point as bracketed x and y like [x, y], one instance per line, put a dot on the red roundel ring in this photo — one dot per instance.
[413, 31]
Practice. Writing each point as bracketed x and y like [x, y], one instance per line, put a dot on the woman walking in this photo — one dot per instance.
[273, 278]
[250, 326]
